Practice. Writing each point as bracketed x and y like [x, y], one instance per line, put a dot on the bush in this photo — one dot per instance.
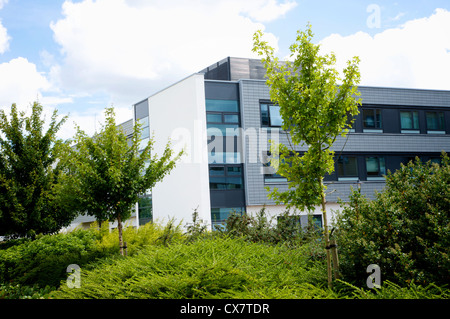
[136, 239]
[220, 267]
[405, 230]
[44, 261]
[259, 228]
[16, 291]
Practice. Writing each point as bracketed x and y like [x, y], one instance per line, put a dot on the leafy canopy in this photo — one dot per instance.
[316, 106]
[31, 174]
[109, 172]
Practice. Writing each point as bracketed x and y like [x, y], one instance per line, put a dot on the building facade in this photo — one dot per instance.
[223, 117]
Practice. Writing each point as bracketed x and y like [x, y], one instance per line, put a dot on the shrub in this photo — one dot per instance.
[260, 228]
[405, 230]
[44, 261]
[220, 267]
[16, 291]
[136, 239]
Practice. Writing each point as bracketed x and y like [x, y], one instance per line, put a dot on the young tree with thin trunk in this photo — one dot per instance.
[108, 173]
[316, 106]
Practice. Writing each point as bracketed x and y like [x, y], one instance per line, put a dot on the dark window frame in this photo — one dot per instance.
[374, 113]
[430, 130]
[380, 175]
[345, 176]
[262, 120]
[226, 176]
[409, 130]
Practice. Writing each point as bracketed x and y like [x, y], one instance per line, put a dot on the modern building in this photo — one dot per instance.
[223, 117]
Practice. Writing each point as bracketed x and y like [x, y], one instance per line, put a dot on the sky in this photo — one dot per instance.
[80, 57]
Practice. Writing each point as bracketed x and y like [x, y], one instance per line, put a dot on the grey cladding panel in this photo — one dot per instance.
[221, 90]
[141, 109]
[239, 69]
[127, 127]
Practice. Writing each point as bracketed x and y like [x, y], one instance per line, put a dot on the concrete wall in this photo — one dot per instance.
[178, 112]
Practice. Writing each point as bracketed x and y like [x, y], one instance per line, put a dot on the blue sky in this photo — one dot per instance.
[82, 56]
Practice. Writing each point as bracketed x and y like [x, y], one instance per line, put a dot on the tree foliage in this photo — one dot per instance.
[405, 230]
[315, 105]
[109, 172]
[31, 174]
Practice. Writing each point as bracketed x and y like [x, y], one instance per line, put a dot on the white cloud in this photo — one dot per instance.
[131, 48]
[268, 10]
[4, 39]
[20, 83]
[414, 55]
[2, 3]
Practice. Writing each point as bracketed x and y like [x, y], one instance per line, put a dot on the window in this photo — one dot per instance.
[347, 168]
[372, 120]
[270, 175]
[435, 122]
[222, 115]
[225, 177]
[145, 209]
[224, 157]
[409, 121]
[376, 168]
[270, 115]
[221, 105]
[145, 132]
[219, 215]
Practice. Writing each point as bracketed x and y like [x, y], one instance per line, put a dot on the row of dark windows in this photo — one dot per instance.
[364, 167]
[376, 120]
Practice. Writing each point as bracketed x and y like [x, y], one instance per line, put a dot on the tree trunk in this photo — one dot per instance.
[327, 236]
[119, 227]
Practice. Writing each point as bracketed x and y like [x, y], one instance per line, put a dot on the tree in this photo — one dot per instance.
[108, 175]
[315, 110]
[31, 175]
[405, 230]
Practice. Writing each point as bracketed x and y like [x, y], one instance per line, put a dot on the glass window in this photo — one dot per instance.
[273, 178]
[264, 115]
[234, 170]
[347, 166]
[143, 121]
[145, 209]
[436, 160]
[372, 119]
[214, 118]
[270, 115]
[222, 105]
[216, 170]
[435, 121]
[231, 118]
[224, 157]
[375, 167]
[143, 143]
[225, 182]
[409, 120]
[219, 215]
[217, 182]
[275, 117]
[145, 132]
[225, 129]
